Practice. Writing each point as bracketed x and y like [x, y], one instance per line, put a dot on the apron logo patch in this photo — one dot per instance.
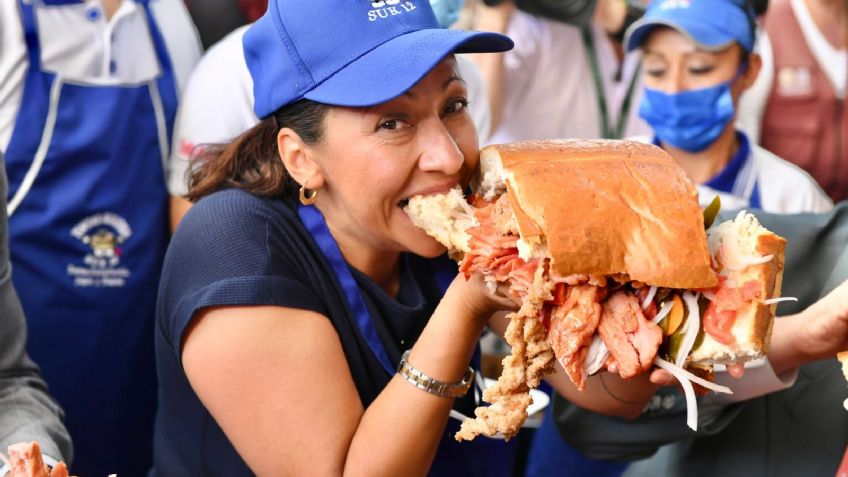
[103, 233]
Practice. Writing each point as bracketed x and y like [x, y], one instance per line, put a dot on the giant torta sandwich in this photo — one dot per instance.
[604, 245]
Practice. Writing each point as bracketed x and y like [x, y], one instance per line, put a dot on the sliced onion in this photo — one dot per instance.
[664, 311]
[692, 377]
[772, 301]
[649, 298]
[686, 378]
[724, 240]
[692, 327]
[596, 356]
[688, 391]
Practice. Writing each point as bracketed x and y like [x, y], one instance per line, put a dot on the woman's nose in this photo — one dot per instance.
[673, 81]
[440, 152]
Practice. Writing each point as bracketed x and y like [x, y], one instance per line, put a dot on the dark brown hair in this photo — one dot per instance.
[252, 162]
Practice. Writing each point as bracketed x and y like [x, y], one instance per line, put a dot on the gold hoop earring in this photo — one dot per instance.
[308, 196]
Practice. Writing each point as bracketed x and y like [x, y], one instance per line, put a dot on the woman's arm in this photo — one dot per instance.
[277, 382]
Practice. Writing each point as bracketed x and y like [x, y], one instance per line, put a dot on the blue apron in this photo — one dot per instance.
[480, 457]
[88, 230]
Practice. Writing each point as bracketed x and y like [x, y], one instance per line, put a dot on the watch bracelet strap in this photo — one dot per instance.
[424, 382]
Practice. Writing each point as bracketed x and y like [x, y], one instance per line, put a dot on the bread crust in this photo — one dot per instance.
[753, 326]
[609, 219]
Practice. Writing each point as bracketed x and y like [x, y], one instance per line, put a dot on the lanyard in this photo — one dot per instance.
[315, 224]
[608, 131]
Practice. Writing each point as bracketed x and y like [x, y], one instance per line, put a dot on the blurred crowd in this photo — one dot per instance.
[105, 106]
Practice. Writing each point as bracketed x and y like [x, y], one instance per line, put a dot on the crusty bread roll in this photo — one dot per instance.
[626, 208]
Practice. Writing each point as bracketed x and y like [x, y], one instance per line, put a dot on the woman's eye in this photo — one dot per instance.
[393, 124]
[701, 70]
[655, 72]
[456, 105]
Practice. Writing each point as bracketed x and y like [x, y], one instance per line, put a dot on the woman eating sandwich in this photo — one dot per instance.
[303, 326]
[698, 59]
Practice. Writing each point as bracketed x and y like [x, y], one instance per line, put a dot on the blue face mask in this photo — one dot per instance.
[690, 120]
[447, 11]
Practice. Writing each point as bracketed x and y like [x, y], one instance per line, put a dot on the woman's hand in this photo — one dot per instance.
[481, 301]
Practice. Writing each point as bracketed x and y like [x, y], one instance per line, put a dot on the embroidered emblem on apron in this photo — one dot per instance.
[103, 234]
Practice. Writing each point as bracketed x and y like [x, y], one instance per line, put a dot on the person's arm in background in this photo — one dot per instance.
[816, 265]
[221, 74]
[27, 412]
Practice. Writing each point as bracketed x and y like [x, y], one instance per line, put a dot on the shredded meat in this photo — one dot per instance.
[531, 358]
[632, 340]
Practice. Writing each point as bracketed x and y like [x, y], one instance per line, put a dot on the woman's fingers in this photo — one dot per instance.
[662, 377]
[736, 370]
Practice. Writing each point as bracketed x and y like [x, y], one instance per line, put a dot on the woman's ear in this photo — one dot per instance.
[298, 161]
[749, 76]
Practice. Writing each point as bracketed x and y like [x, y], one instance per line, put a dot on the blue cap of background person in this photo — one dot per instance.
[349, 52]
[712, 24]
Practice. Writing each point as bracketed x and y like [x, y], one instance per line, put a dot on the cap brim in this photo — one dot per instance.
[701, 34]
[392, 68]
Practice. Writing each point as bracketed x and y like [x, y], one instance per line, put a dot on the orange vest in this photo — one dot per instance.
[804, 121]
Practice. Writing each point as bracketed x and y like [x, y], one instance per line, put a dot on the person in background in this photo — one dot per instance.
[222, 74]
[295, 283]
[796, 108]
[27, 412]
[698, 59]
[567, 77]
[87, 103]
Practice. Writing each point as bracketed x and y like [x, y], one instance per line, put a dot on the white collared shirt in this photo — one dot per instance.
[78, 42]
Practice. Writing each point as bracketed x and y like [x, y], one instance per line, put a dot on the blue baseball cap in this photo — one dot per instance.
[712, 24]
[349, 52]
